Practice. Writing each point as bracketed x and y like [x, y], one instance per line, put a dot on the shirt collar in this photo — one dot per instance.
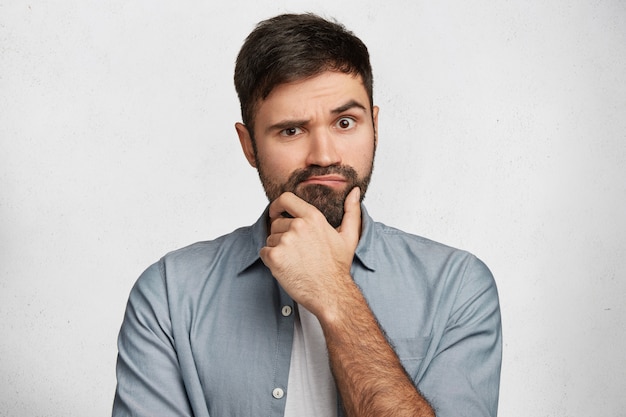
[365, 251]
[258, 234]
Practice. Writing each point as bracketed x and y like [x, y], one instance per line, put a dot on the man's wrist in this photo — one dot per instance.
[347, 303]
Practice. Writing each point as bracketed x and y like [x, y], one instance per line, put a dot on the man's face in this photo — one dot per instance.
[315, 138]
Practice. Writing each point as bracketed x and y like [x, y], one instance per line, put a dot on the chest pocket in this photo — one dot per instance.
[411, 352]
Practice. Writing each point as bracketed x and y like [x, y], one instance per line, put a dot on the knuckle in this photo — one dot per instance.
[273, 256]
[298, 225]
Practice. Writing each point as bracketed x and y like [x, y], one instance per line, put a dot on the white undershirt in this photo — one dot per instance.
[311, 388]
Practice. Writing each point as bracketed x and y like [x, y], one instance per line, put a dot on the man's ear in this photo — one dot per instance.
[245, 139]
[375, 110]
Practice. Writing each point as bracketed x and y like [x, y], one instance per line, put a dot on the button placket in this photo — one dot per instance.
[285, 312]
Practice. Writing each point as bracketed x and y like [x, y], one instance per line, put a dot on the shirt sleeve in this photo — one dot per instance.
[149, 381]
[463, 378]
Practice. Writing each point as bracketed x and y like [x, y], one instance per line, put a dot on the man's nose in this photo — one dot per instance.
[322, 149]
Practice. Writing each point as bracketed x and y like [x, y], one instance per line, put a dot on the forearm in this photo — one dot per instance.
[368, 373]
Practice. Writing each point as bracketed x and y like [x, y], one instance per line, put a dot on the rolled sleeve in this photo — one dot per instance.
[149, 381]
[464, 376]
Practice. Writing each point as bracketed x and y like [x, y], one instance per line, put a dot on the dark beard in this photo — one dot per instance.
[326, 199]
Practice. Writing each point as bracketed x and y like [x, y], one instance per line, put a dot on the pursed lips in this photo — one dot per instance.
[327, 180]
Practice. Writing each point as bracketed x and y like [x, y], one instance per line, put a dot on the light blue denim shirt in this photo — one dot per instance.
[208, 331]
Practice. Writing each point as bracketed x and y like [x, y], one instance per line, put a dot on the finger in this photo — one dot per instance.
[290, 203]
[280, 225]
[351, 224]
[273, 240]
[263, 254]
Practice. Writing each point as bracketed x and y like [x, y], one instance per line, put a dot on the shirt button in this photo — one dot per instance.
[278, 393]
[287, 311]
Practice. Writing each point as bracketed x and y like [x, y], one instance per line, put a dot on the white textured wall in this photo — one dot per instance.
[503, 131]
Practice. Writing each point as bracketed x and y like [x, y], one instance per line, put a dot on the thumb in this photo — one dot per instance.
[351, 224]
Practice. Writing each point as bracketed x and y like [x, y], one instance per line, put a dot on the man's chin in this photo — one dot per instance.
[328, 200]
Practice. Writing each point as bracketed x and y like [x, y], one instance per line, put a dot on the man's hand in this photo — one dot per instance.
[309, 258]
[312, 261]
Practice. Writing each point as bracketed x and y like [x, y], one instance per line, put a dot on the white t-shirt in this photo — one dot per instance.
[311, 390]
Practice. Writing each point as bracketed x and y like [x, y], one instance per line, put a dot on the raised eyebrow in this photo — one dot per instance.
[285, 124]
[349, 105]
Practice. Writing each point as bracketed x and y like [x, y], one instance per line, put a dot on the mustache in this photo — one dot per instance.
[303, 174]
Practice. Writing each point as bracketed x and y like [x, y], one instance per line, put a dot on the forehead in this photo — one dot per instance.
[325, 91]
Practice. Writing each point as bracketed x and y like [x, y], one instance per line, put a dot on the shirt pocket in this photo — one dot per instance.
[411, 351]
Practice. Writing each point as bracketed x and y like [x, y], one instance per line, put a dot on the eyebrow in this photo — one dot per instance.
[285, 124]
[348, 106]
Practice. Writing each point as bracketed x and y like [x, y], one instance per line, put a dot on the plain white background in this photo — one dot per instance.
[502, 131]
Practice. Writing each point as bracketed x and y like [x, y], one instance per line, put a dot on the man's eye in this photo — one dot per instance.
[345, 123]
[291, 131]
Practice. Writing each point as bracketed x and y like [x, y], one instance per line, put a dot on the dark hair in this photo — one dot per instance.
[292, 47]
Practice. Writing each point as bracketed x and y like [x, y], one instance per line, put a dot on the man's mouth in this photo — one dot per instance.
[332, 181]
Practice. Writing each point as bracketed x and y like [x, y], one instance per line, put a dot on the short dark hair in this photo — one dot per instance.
[292, 47]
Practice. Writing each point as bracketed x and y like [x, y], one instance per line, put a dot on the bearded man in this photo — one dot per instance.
[315, 310]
